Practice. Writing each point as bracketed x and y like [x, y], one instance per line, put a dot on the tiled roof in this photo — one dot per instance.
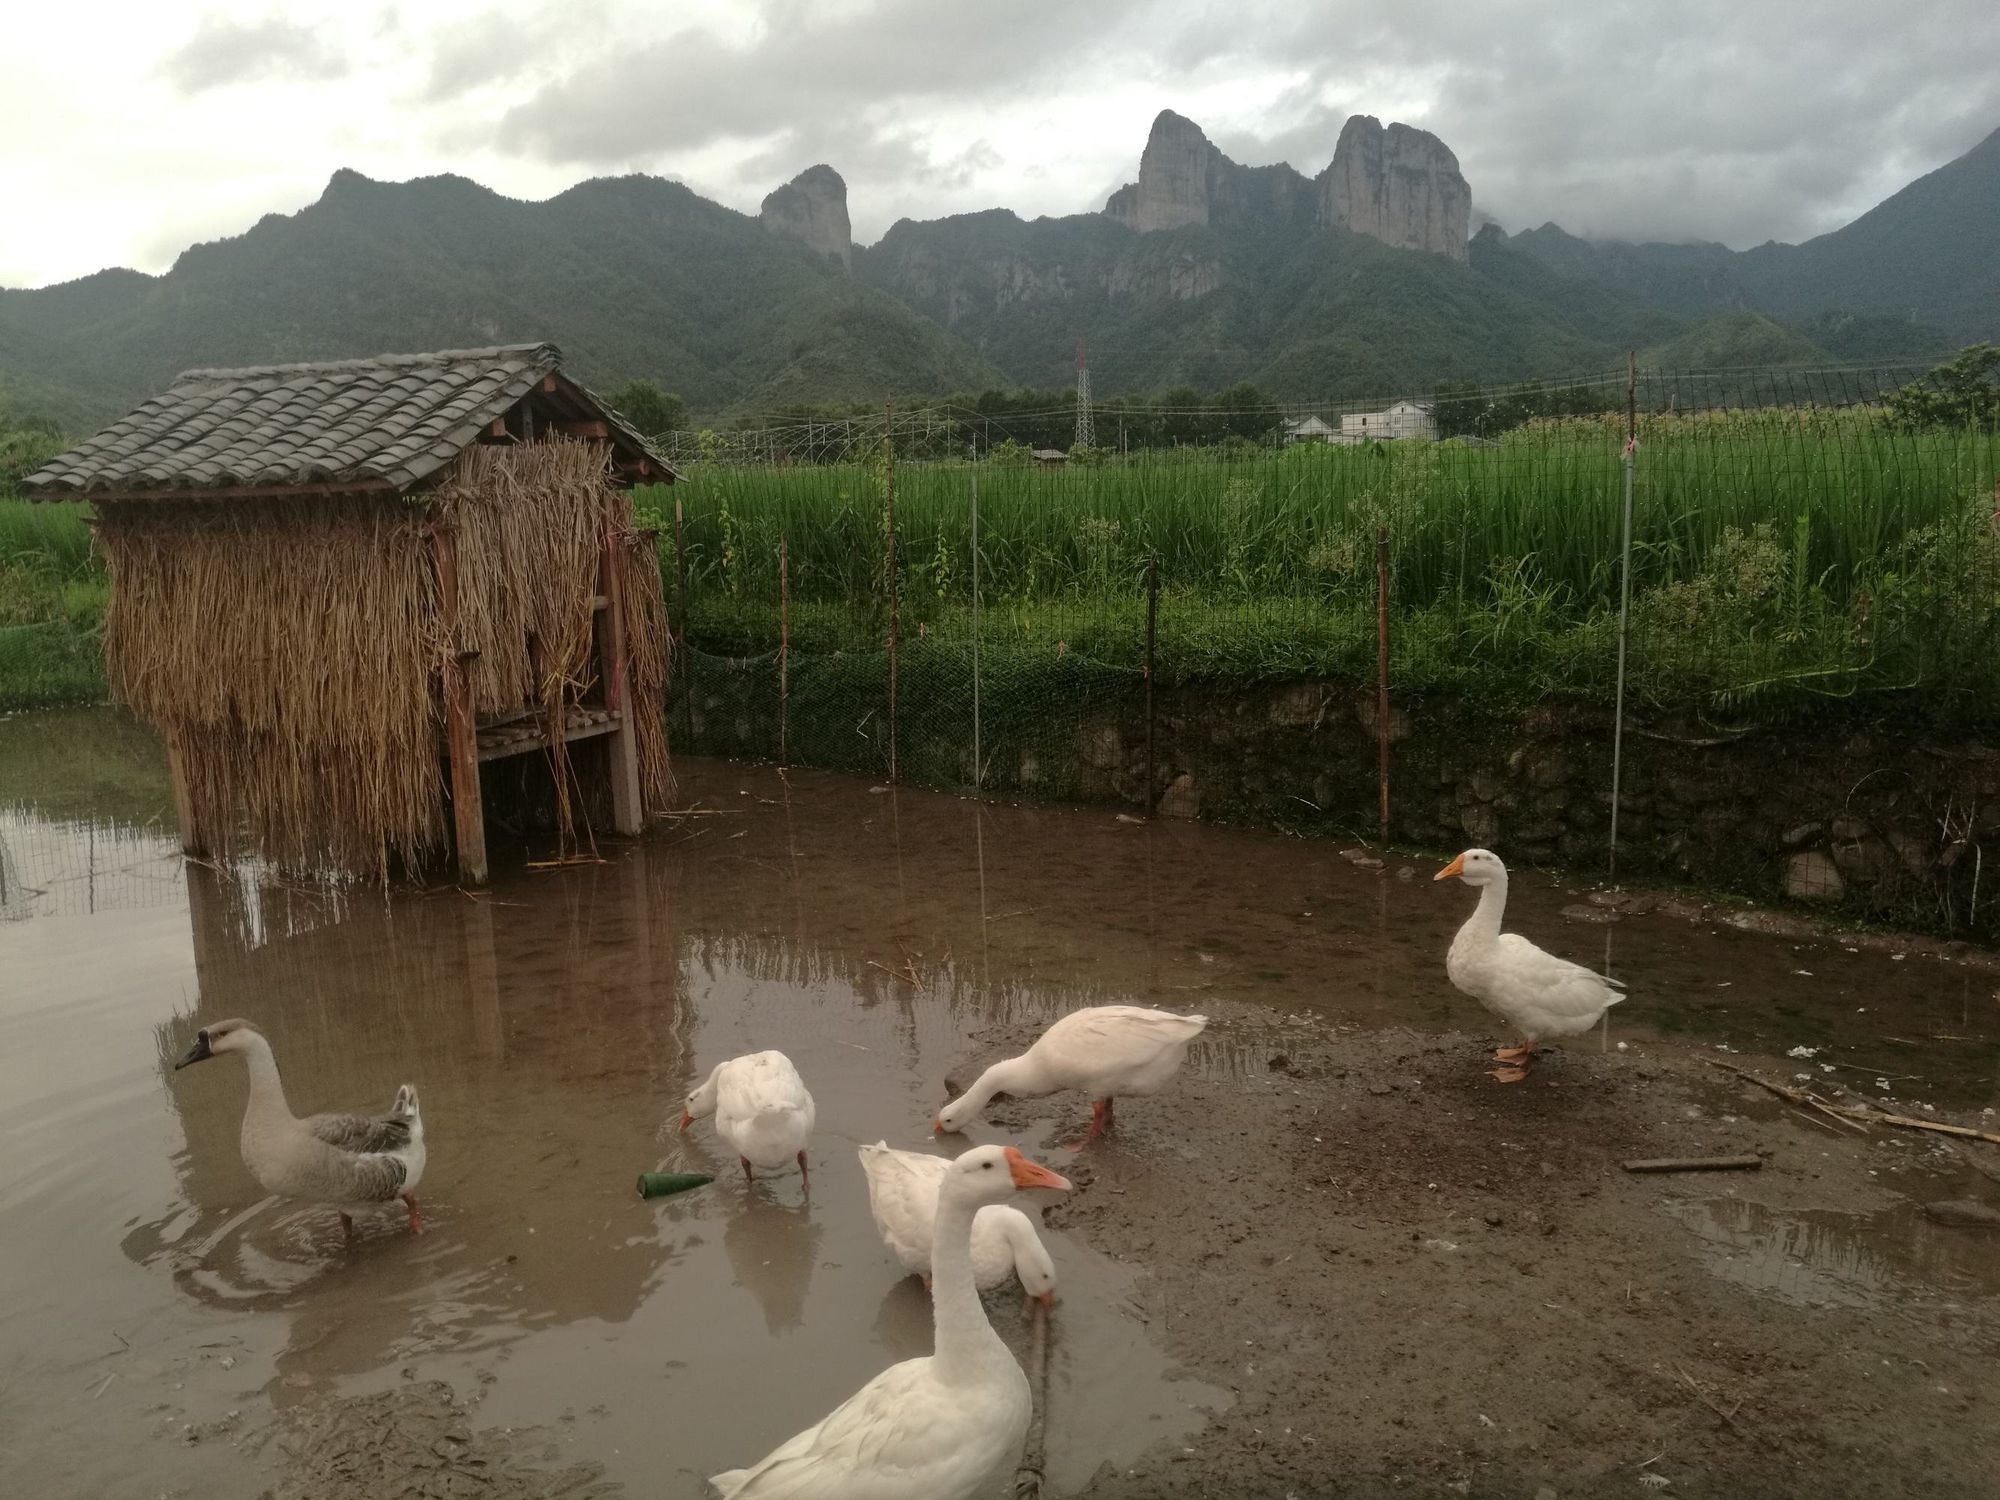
[393, 420]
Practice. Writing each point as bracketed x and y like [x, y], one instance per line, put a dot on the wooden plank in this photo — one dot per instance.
[1697, 1164]
[468, 816]
[540, 741]
[628, 805]
[183, 803]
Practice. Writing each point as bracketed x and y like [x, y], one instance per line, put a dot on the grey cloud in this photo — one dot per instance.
[860, 80]
[223, 51]
[1710, 119]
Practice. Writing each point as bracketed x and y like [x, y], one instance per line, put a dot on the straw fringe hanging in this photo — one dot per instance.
[285, 650]
[290, 650]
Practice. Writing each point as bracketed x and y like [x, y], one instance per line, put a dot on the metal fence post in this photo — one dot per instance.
[978, 752]
[1382, 675]
[889, 553]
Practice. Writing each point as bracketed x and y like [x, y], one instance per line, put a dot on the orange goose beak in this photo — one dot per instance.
[1028, 1174]
[1456, 867]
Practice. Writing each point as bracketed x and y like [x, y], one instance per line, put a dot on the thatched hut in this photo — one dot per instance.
[338, 589]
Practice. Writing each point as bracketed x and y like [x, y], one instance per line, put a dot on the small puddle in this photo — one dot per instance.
[1894, 1260]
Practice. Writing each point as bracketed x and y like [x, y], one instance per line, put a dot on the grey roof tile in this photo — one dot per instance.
[394, 419]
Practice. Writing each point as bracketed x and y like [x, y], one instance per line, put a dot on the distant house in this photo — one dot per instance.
[1403, 419]
[1050, 458]
[1308, 429]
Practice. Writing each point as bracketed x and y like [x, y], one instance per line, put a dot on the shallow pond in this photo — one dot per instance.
[158, 1316]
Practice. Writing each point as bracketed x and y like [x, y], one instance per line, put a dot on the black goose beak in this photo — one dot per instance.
[199, 1052]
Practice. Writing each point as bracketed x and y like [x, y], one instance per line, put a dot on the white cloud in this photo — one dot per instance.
[1709, 119]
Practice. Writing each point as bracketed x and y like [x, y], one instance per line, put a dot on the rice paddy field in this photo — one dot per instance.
[1780, 561]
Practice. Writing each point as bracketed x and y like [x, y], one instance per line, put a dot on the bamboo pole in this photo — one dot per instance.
[1382, 677]
[682, 659]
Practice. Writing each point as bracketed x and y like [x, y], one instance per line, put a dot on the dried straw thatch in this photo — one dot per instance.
[291, 649]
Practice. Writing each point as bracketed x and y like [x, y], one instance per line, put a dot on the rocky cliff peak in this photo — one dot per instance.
[1396, 184]
[813, 207]
[1399, 185]
[1178, 174]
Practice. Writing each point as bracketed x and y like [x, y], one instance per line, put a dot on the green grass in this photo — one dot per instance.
[1780, 560]
[52, 597]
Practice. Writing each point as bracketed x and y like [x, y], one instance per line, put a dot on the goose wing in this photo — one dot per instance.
[900, 1437]
[1554, 991]
[1109, 1041]
[902, 1195]
[760, 1084]
[360, 1133]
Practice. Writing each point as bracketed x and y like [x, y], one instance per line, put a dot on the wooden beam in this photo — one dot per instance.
[628, 806]
[191, 844]
[468, 815]
[497, 427]
[589, 429]
[548, 386]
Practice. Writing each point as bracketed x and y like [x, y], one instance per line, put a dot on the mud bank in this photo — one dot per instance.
[1413, 1281]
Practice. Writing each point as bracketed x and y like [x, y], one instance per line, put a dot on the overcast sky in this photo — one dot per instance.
[135, 130]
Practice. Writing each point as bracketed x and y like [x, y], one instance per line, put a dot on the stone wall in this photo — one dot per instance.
[1873, 825]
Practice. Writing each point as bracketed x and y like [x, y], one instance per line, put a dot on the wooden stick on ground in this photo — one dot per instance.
[1696, 1164]
[1029, 1476]
[1791, 1095]
[1847, 1116]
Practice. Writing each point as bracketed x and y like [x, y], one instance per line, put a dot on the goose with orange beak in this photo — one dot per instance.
[1539, 995]
[946, 1427]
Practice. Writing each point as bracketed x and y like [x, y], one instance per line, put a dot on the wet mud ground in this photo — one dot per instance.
[1335, 1259]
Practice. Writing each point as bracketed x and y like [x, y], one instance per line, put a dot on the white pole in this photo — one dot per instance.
[978, 765]
[1624, 607]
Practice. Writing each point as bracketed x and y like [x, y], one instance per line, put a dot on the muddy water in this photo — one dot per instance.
[165, 1329]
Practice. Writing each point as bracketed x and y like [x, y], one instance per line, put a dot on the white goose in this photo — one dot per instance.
[1103, 1051]
[946, 1427]
[1537, 993]
[761, 1107]
[903, 1194]
[338, 1159]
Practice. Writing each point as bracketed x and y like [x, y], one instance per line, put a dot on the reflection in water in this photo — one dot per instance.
[772, 1248]
[1813, 1259]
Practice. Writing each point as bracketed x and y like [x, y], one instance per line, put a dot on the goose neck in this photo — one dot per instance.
[966, 1342]
[1484, 923]
[267, 1090]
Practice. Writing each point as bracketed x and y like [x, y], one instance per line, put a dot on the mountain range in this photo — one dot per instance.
[1202, 272]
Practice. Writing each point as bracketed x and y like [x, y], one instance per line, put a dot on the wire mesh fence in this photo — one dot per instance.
[1803, 558]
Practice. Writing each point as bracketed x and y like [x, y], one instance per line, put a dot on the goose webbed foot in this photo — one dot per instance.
[1507, 1073]
[1518, 1054]
[1100, 1122]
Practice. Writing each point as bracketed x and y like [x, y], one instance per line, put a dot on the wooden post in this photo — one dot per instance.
[628, 806]
[468, 815]
[183, 802]
[1382, 673]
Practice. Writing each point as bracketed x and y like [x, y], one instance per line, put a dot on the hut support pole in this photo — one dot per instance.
[628, 810]
[468, 814]
[183, 802]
